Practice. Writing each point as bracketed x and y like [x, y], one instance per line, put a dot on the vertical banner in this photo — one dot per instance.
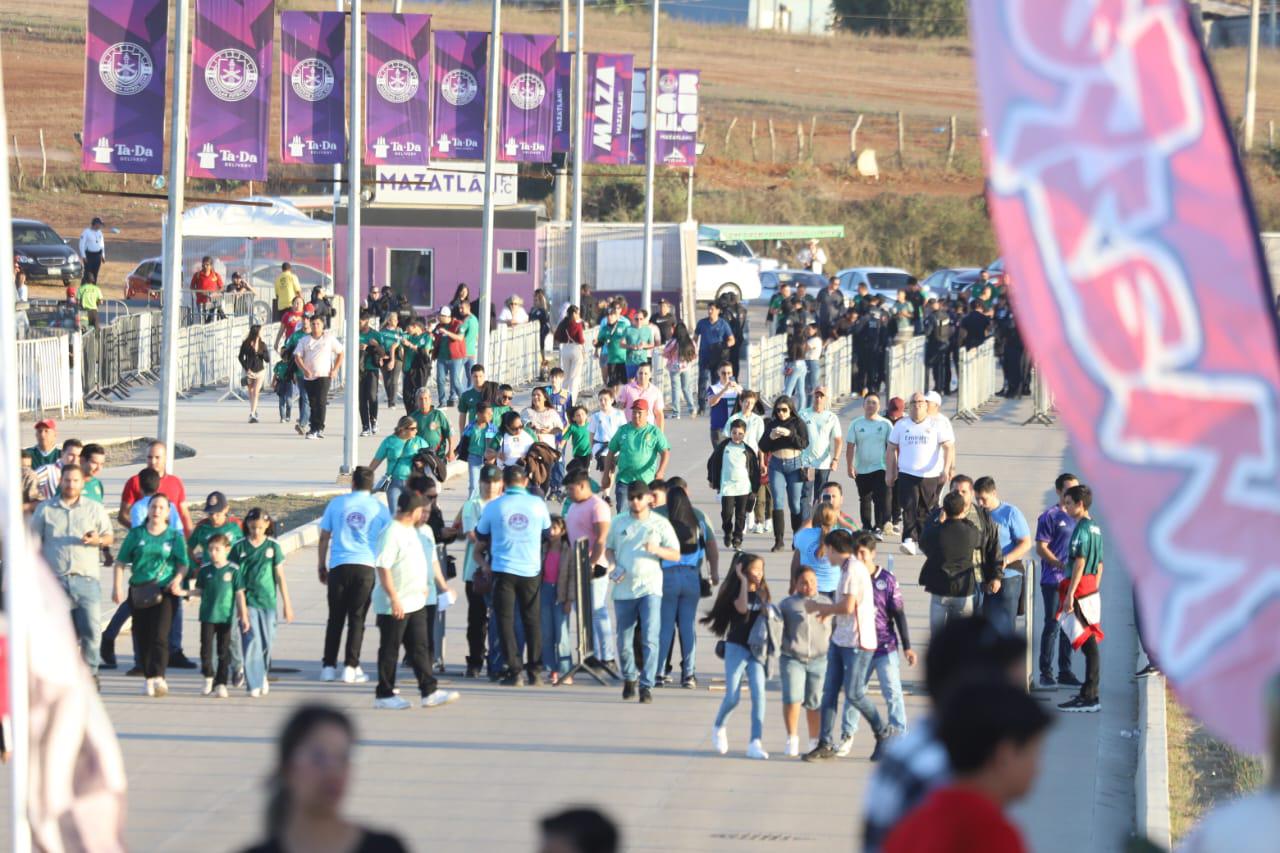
[608, 108]
[677, 117]
[312, 87]
[231, 90]
[458, 116]
[562, 115]
[126, 53]
[1134, 258]
[527, 109]
[397, 63]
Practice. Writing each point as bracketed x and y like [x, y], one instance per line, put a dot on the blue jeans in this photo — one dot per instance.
[557, 652]
[802, 681]
[257, 647]
[887, 670]
[814, 369]
[786, 481]
[86, 599]
[794, 384]
[645, 611]
[601, 621]
[497, 657]
[682, 385]
[459, 379]
[394, 488]
[811, 488]
[945, 608]
[444, 376]
[474, 465]
[304, 402]
[681, 589]
[738, 661]
[1049, 597]
[847, 673]
[284, 396]
[1001, 608]
[706, 378]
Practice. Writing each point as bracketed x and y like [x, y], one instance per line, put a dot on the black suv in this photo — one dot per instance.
[41, 253]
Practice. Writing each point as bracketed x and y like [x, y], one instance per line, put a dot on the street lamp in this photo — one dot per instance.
[688, 211]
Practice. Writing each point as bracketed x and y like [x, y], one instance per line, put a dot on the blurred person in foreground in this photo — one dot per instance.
[579, 830]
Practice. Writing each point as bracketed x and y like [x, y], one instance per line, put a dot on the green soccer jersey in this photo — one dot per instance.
[198, 541]
[217, 585]
[369, 361]
[1086, 542]
[613, 338]
[639, 336]
[578, 438]
[433, 428]
[153, 558]
[468, 401]
[390, 339]
[257, 575]
[93, 489]
[639, 451]
[40, 458]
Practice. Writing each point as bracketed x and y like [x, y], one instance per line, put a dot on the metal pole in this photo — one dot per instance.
[397, 6]
[1251, 76]
[1272, 24]
[650, 155]
[579, 93]
[562, 173]
[337, 169]
[17, 564]
[355, 158]
[172, 264]
[688, 211]
[490, 188]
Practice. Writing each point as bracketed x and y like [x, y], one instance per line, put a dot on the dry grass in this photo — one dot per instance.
[1203, 771]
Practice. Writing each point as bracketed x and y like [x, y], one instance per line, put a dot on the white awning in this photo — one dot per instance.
[280, 220]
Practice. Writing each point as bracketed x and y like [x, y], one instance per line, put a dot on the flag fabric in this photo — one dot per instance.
[527, 110]
[1134, 256]
[312, 83]
[459, 105]
[562, 115]
[1085, 619]
[607, 131]
[397, 73]
[676, 117]
[126, 53]
[231, 90]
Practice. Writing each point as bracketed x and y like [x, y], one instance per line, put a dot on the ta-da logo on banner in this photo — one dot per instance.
[513, 147]
[447, 143]
[404, 148]
[211, 157]
[231, 75]
[103, 151]
[298, 146]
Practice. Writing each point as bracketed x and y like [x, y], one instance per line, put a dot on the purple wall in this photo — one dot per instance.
[455, 258]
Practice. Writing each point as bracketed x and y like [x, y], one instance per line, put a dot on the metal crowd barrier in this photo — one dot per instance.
[904, 368]
[976, 380]
[515, 356]
[45, 375]
[765, 359]
[1041, 400]
[837, 367]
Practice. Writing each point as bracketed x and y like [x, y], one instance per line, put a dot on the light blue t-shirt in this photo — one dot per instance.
[871, 440]
[735, 479]
[515, 523]
[807, 540]
[354, 522]
[138, 514]
[1011, 524]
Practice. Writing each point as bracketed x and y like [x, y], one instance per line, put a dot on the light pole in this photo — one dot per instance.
[561, 198]
[698, 148]
[1251, 76]
[575, 236]
[650, 155]
[355, 163]
[490, 167]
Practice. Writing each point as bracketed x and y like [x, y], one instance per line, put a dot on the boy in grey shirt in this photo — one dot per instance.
[805, 638]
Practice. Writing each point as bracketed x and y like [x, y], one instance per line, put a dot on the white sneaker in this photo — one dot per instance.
[328, 673]
[353, 675]
[756, 751]
[150, 687]
[720, 740]
[440, 697]
[909, 547]
[266, 687]
[391, 703]
[221, 691]
[768, 528]
[255, 693]
[845, 747]
[208, 687]
[813, 744]
[161, 688]
[793, 746]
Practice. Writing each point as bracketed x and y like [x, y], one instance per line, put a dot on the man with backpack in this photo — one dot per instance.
[939, 331]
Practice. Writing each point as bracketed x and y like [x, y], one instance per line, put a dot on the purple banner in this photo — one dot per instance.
[312, 79]
[397, 121]
[527, 110]
[126, 53]
[677, 117]
[458, 133]
[231, 90]
[608, 119]
[562, 112]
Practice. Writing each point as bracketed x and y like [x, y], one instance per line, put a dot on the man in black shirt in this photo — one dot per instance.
[975, 326]
[830, 305]
[948, 573]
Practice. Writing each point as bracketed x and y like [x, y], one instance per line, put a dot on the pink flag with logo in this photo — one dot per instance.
[1136, 268]
[526, 105]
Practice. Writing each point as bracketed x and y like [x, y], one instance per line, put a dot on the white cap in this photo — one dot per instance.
[933, 397]
[446, 312]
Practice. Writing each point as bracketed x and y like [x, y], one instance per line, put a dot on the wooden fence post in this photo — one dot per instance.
[728, 133]
[1271, 134]
[813, 136]
[951, 143]
[753, 140]
[44, 160]
[800, 142]
[773, 144]
[901, 141]
[17, 158]
[853, 139]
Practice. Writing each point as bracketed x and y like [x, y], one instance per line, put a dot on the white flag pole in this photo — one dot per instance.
[355, 158]
[650, 155]
[579, 90]
[490, 174]
[17, 563]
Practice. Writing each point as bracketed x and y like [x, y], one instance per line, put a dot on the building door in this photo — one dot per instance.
[410, 274]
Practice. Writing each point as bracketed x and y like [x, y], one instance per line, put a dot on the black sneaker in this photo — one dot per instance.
[660, 681]
[237, 678]
[136, 672]
[181, 661]
[1081, 705]
[690, 683]
[514, 678]
[737, 545]
[533, 679]
[824, 752]
[1149, 669]
[1046, 682]
[628, 690]
[107, 656]
[473, 672]
[1068, 679]
[646, 696]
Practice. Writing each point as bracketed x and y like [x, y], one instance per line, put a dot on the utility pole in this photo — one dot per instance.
[490, 188]
[561, 198]
[579, 89]
[650, 155]
[355, 165]
[1251, 76]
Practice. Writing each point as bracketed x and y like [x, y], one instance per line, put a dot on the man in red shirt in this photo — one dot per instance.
[993, 733]
[289, 321]
[205, 281]
[170, 486]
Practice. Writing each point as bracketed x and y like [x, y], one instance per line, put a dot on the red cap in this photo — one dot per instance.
[642, 405]
[47, 423]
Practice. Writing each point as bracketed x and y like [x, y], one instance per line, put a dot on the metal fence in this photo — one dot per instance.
[46, 378]
[976, 380]
[1041, 400]
[904, 368]
[837, 367]
[765, 360]
[516, 354]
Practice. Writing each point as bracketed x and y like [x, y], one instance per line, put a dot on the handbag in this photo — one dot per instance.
[704, 587]
[720, 649]
[482, 582]
[144, 596]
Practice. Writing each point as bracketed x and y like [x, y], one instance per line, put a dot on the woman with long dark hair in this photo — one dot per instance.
[785, 437]
[743, 599]
[307, 787]
[254, 359]
[681, 356]
[682, 581]
[795, 368]
[570, 336]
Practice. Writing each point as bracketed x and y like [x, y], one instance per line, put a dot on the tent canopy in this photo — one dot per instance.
[727, 233]
[280, 220]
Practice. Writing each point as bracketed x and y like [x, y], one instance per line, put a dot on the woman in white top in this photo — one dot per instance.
[516, 441]
[543, 419]
[513, 313]
[602, 424]
[747, 410]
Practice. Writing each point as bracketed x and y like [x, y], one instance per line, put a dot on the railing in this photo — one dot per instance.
[45, 375]
[976, 379]
[515, 356]
[765, 359]
[904, 368]
[1041, 400]
[203, 306]
[837, 367]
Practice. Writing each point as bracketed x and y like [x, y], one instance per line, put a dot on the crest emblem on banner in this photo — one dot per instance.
[231, 75]
[312, 79]
[459, 87]
[125, 68]
[397, 81]
[527, 91]
[668, 82]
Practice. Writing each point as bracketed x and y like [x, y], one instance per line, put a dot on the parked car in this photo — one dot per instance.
[742, 250]
[42, 254]
[145, 282]
[951, 281]
[771, 280]
[883, 281]
[720, 273]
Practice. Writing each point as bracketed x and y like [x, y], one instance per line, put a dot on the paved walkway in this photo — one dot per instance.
[478, 774]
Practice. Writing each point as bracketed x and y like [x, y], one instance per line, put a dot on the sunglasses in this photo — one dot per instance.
[431, 497]
[637, 498]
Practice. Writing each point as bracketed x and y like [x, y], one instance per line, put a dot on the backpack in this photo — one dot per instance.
[430, 464]
[539, 461]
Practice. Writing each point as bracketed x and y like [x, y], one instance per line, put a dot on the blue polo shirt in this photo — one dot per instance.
[806, 541]
[515, 522]
[1011, 524]
[711, 337]
[354, 522]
